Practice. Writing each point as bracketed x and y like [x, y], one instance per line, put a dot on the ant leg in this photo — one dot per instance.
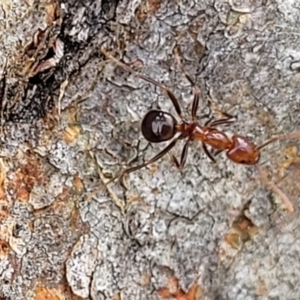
[217, 152]
[289, 136]
[152, 160]
[208, 153]
[195, 87]
[225, 121]
[132, 169]
[229, 119]
[208, 121]
[225, 114]
[183, 157]
[148, 79]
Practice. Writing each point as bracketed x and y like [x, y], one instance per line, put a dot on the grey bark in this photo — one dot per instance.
[71, 120]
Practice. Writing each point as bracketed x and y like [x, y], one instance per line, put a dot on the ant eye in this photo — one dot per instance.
[158, 126]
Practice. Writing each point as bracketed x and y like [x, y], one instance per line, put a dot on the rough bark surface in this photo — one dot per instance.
[70, 120]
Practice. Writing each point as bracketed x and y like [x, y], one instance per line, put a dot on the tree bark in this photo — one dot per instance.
[70, 120]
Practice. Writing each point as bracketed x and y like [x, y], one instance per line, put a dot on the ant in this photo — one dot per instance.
[160, 126]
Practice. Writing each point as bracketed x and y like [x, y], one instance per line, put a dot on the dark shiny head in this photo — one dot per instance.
[158, 126]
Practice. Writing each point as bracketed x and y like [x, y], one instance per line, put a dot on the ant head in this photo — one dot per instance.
[158, 126]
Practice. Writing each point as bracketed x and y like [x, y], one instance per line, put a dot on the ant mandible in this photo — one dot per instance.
[160, 126]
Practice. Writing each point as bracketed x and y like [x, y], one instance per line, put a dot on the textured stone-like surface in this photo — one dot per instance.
[210, 231]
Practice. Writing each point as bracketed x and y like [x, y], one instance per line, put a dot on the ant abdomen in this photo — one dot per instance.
[243, 151]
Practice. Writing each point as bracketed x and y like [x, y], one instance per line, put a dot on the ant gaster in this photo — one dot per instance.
[160, 126]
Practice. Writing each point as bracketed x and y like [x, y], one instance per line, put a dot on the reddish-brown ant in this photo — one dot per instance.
[160, 126]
